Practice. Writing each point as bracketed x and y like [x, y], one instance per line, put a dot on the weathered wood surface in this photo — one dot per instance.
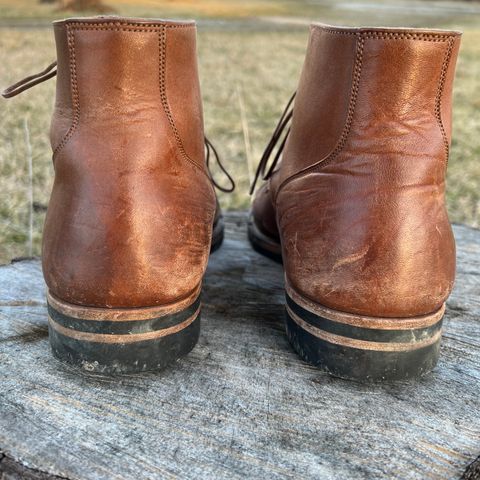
[242, 404]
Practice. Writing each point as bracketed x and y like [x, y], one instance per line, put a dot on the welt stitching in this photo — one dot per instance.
[74, 92]
[162, 47]
[357, 70]
[438, 98]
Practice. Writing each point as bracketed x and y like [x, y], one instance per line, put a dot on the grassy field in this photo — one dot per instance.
[250, 55]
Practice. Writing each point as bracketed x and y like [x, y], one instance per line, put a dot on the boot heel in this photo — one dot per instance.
[124, 340]
[367, 349]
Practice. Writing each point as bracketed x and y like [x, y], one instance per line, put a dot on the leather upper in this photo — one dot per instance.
[359, 197]
[263, 211]
[130, 216]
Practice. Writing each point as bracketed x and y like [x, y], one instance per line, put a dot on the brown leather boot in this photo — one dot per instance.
[130, 220]
[356, 209]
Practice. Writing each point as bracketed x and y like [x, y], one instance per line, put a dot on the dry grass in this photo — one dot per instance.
[25, 9]
[248, 72]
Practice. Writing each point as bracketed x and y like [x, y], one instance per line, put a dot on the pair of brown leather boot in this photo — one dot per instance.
[355, 209]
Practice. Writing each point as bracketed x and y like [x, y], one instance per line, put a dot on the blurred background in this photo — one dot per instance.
[250, 54]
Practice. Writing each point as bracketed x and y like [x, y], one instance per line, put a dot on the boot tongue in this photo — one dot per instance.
[30, 81]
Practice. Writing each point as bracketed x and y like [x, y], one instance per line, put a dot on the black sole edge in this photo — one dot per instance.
[358, 364]
[262, 244]
[129, 357]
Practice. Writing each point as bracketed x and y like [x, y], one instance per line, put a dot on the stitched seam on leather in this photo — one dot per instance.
[334, 32]
[406, 36]
[162, 46]
[357, 70]
[120, 26]
[438, 98]
[427, 37]
[73, 92]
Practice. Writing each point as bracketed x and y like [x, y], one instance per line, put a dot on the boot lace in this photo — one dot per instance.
[283, 123]
[51, 71]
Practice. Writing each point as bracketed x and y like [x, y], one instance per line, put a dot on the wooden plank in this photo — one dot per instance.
[241, 404]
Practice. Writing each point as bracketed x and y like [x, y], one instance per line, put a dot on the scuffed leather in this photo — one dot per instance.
[364, 228]
[130, 217]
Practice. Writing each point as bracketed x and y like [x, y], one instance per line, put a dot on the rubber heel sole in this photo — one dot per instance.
[110, 341]
[365, 349]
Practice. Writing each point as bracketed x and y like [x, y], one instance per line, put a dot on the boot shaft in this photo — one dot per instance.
[386, 93]
[121, 77]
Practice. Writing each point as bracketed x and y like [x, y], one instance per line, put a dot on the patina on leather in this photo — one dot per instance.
[358, 199]
[129, 222]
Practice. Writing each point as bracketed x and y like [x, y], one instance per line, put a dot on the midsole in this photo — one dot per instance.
[384, 323]
[127, 338]
[363, 344]
[120, 326]
[121, 314]
[362, 332]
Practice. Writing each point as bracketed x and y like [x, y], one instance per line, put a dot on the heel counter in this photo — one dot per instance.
[367, 253]
[126, 235]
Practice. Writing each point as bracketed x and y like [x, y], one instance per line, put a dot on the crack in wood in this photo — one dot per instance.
[473, 471]
[10, 469]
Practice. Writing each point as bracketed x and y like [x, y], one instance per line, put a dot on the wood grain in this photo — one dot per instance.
[242, 404]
